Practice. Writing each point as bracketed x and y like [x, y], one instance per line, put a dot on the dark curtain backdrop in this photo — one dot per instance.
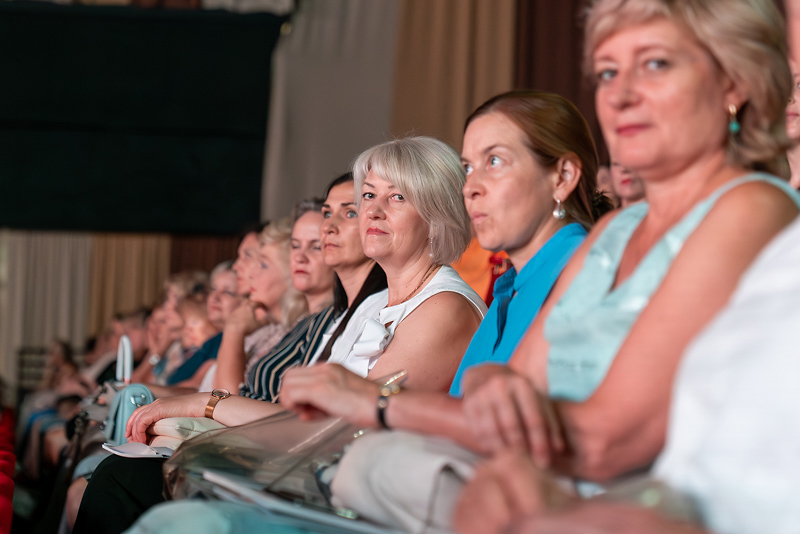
[133, 120]
[549, 55]
[188, 253]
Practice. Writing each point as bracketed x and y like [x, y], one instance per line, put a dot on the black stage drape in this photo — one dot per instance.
[126, 119]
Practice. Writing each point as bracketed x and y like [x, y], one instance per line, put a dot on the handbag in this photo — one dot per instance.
[122, 406]
[127, 399]
[271, 462]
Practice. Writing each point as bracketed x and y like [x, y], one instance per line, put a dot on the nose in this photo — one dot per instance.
[473, 187]
[375, 209]
[622, 91]
[299, 255]
[328, 225]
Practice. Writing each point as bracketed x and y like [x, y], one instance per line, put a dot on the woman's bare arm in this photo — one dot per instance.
[430, 343]
[231, 358]
[231, 411]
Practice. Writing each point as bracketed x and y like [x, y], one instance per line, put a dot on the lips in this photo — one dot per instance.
[477, 218]
[376, 231]
[628, 130]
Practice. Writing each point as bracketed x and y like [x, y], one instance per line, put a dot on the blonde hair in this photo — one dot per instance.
[293, 303]
[430, 175]
[746, 39]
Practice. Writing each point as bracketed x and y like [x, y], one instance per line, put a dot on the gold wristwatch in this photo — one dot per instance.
[216, 396]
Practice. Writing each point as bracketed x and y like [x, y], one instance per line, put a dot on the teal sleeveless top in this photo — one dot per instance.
[588, 325]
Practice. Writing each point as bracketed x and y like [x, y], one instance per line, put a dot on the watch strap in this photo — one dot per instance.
[216, 396]
[383, 402]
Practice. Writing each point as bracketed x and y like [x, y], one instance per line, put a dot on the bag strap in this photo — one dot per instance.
[124, 360]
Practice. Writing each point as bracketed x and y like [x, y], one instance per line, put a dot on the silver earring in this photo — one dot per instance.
[558, 212]
[430, 242]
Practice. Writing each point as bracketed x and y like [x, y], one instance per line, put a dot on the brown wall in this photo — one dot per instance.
[549, 55]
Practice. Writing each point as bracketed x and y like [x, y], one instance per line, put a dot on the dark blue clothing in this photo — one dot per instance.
[188, 368]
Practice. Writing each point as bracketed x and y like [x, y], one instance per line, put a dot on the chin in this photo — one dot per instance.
[490, 244]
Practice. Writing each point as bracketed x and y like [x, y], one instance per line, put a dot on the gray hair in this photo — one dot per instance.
[429, 174]
[746, 38]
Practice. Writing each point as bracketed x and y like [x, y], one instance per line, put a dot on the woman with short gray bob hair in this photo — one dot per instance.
[430, 175]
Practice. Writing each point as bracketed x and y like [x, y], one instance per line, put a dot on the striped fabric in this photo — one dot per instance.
[295, 349]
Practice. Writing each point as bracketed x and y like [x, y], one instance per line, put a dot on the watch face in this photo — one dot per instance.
[221, 393]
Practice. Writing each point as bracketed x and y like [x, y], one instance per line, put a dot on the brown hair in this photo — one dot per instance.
[746, 39]
[553, 128]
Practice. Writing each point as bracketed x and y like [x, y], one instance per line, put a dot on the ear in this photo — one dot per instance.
[736, 93]
[569, 171]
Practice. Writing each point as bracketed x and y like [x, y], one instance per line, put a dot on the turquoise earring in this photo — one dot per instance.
[733, 124]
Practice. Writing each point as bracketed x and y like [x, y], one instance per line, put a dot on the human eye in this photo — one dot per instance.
[326, 214]
[656, 64]
[495, 161]
[294, 244]
[605, 75]
[352, 214]
[367, 196]
[398, 196]
[467, 169]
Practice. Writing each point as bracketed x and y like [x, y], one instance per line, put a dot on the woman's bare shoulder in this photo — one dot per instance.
[755, 197]
[445, 306]
[753, 211]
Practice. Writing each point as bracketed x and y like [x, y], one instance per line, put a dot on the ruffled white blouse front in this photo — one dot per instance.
[372, 328]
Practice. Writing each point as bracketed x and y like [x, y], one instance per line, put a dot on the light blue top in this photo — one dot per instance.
[517, 299]
[588, 325]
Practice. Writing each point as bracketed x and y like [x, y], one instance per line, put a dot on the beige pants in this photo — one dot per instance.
[405, 480]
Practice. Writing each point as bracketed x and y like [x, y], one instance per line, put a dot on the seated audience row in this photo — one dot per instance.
[586, 332]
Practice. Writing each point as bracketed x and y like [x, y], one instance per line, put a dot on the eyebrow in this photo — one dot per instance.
[641, 50]
[391, 186]
[343, 204]
[487, 150]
